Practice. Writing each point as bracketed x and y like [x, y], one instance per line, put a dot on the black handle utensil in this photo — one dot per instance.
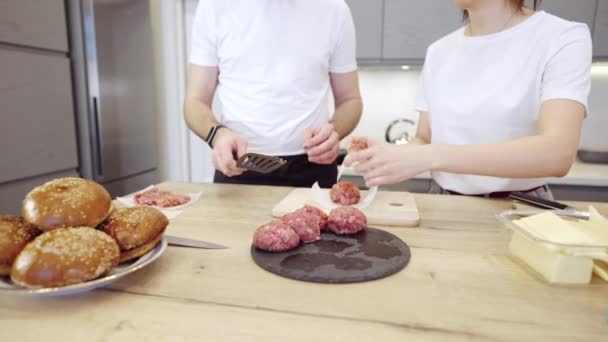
[538, 202]
[260, 163]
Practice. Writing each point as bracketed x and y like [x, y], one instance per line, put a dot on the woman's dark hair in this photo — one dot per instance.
[516, 3]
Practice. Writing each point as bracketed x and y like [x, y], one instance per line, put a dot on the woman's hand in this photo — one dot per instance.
[382, 163]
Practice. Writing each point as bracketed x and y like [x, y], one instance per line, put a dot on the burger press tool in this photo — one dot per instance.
[260, 163]
[185, 242]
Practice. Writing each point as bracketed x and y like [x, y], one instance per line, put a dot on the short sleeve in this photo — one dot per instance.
[203, 50]
[567, 73]
[422, 103]
[344, 56]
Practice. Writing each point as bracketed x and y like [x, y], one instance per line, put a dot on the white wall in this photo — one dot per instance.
[388, 94]
[173, 147]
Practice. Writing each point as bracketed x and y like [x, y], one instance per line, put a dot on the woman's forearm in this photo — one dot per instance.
[529, 157]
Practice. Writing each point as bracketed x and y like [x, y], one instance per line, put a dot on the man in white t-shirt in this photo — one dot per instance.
[271, 65]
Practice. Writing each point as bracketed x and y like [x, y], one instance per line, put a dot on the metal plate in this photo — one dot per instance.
[367, 255]
[7, 287]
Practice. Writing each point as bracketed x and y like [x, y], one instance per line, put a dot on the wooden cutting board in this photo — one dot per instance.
[389, 208]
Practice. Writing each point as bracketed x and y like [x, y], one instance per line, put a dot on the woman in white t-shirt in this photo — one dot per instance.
[501, 104]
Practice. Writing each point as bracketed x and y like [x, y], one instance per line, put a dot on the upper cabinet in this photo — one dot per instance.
[34, 23]
[400, 31]
[600, 35]
[410, 26]
[368, 17]
[582, 11]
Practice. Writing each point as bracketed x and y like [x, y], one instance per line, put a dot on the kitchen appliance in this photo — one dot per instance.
[400, 131]
[114, 86]
[594, 144]
[593, 157]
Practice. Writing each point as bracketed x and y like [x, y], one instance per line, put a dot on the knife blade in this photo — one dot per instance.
[185, 242]
[547, 204]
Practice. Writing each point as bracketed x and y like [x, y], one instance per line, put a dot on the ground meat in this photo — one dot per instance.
[346, 220]
[357, 144]
[160, 198]
[318, 213]
[345, 193]
[275, 236]
[305, 224]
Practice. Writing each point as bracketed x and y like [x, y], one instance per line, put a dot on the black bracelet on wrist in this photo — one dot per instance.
[212, 133]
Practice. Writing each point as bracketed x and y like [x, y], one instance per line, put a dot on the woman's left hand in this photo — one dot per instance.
[383, 163]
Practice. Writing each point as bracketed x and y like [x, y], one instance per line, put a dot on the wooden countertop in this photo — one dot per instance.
[459, 286]
[580, 174]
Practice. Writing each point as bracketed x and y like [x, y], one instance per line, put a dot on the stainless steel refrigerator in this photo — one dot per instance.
[77, 95]
[114, 87]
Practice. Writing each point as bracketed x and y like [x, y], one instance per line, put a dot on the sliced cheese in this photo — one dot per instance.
[554, 267]
[597, 232]
[552, 228]
[596, 217]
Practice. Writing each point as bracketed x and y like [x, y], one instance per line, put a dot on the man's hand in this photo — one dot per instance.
[322, 144]
[225, 144]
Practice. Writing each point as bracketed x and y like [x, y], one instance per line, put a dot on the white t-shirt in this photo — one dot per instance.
[274, 59]
[489, 89]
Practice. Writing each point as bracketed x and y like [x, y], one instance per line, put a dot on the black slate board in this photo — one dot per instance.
[367, 255]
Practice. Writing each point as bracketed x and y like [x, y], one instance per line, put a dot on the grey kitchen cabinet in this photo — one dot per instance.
[582, 11]
[34, 23]
[600, 34]
[410, 26]
[13, 193]
[38, 128]
[368, 16]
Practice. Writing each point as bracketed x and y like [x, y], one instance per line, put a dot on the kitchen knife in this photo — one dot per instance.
[547, 204]
[539, 202]
[185, 242]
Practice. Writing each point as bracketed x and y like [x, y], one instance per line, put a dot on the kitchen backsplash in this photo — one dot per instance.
[389, 94]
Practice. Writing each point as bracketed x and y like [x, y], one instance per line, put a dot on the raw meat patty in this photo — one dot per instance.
[346, 220]
[275, 236]
[160, 198]
[357, 144]
[305, 224]
[345, 193]
[318, 213]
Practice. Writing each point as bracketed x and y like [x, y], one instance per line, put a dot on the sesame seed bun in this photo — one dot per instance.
[67, 202]
[15, 233]
[65, 256]
[136, 230]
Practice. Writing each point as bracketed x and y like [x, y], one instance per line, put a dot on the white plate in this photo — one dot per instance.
[170, 212]
[7, 287]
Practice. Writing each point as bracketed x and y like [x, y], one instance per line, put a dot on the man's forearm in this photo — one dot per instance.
[347, 116]
[199, 117]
